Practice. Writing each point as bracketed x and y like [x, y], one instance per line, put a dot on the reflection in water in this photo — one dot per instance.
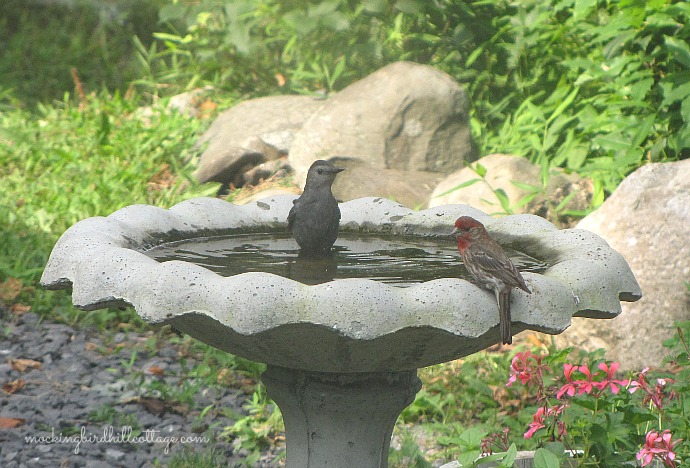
[313, 268]
[399, 261]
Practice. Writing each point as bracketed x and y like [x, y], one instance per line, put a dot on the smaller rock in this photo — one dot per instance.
[360, 179]
[190, 102]
[35, 461]
[249, 196]
[30, 318]
[5, 370]
[521, 182]
[169, 352]
[119, 337]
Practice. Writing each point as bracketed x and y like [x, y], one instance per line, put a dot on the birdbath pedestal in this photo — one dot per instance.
[336, 419]
[342, 356]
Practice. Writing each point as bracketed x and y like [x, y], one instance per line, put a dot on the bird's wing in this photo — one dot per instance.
[491, 263]
[292, 215]
[499, 266]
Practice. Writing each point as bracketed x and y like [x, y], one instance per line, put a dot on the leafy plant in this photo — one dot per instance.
[409, 455]
[588, 86]
[260, 428]
[601, 420]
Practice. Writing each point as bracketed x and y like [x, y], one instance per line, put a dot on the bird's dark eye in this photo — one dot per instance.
[320, 171]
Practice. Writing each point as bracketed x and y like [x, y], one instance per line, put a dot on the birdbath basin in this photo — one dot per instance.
[342, 356]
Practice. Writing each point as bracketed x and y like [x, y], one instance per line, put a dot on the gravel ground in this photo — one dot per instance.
[86, 390]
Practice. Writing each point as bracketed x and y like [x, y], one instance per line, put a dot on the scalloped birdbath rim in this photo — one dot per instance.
[348, 325]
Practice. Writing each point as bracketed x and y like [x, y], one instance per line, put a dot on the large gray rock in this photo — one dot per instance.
[249, 134]
[502, 171]
[647, 220]
[404, 116]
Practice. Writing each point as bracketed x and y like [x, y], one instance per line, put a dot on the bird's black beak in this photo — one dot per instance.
[335, 170]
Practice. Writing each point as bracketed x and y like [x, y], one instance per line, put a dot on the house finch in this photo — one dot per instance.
[314, 218]
[489, 266]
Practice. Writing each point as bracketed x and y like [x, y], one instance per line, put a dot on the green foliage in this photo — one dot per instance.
[209, 458]
[459, 391]
[469, 444]
[460, 403]
[608, 428]
[597, 88]
[410, 455]
[259, 429]
[544, 458]
[213, 363]
[253, 45]
[108, 414]
[40, 43]
[69, 162]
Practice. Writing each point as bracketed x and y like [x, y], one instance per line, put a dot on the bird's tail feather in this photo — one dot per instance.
[504, 315]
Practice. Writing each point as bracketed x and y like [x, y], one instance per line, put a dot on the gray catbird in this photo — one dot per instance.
[315, 217]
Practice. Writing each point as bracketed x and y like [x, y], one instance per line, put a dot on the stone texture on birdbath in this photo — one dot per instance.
[351, 325]
[647, 219]
[364, 406]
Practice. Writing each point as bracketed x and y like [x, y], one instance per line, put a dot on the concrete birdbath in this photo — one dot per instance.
[342, 356]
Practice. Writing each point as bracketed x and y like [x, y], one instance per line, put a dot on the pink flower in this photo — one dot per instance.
[533, 427]
[660, 393]
[609, 381]
[570, 387]
[527, 368]
[640, 382]
[657, 395]
[575, 386]
[538, 420]
[536, 424]
[585, 386]
[659, 446]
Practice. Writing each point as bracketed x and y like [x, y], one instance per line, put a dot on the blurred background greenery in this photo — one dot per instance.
[595, 87]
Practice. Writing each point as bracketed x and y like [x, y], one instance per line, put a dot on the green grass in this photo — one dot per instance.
[70, 161]
[41, 43]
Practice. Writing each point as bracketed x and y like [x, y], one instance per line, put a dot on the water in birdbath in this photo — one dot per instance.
[398, 261]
